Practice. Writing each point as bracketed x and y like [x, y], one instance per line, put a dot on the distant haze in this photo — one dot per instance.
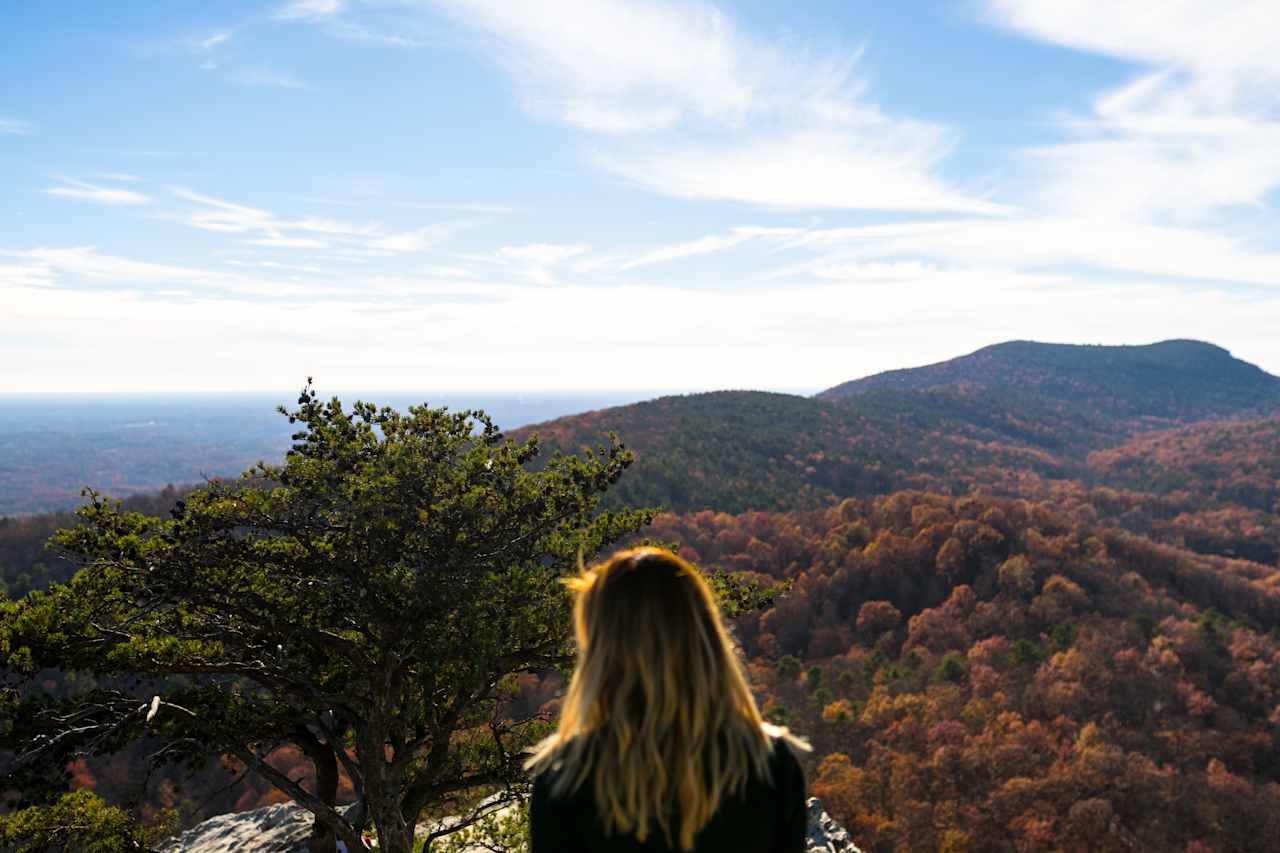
[52, 445]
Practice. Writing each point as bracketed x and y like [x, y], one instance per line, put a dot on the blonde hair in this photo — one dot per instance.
[658, 705]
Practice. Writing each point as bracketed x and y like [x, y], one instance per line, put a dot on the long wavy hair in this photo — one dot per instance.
[658, 712]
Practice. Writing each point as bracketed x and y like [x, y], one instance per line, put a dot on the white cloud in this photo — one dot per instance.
[1039, 243]
[806, 170]
[14, 126]
[309, 10]
[464, 206]
[618, 65]
[1233, 39]
[543, 254]
[88, 262]
[220, 215]
[356, 32]
[705, 245]
[416, 241]
[37, 274]
[269, 78]
[84, 191]
[1191, 137]
[213, 41]
[276, 265]
[280, 241]
[720, 114]
[85, 265]
[224, 216]
[536, 260]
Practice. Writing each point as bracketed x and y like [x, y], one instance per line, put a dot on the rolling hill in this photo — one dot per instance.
[740, 450]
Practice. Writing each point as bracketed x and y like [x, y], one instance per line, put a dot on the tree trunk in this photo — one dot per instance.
[382, 793]
[323, 838]
[394, 834]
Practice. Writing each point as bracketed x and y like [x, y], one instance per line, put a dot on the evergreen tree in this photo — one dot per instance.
[369, 601]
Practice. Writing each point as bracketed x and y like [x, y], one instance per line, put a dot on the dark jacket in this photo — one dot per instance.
[766, 819]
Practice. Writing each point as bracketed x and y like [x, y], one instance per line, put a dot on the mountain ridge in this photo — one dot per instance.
[1177, 378]
[1023, 406]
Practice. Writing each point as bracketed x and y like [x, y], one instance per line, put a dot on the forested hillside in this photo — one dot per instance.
[1236, 462]
[1157, 438]
[988, 674]
[736, 450]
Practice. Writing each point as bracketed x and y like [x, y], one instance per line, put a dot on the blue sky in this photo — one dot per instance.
[457, 194]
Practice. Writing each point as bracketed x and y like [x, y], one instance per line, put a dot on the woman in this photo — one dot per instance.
[661, 746]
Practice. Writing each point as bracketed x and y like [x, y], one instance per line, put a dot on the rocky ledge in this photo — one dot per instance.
[284, 829]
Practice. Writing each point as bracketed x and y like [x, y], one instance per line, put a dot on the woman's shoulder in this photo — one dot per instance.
[554, 778]
[785, 746]
[784, 742]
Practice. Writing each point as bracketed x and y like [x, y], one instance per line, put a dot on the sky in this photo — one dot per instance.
[624, 194]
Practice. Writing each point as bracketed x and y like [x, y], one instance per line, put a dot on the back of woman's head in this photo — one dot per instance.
[658, 712]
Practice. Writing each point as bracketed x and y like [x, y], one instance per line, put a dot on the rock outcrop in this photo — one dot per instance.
[281, 828]
[284, 829]
[825, 835]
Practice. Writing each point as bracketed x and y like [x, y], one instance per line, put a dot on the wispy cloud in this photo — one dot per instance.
[276, 265]
[210, 42]
[808, 170]
[279, 241]
[1037, 244]
[30, 274]
[88, 263]
[463, 206]
[217, 214]
[536, 261]
[543, 253]
[705, 245]
[309, 10]
[15, 127]
[84, 191]
[1191, 136]
[358, 32]
[681, 101]
[418, 240]
[268, 78]
[307, 232]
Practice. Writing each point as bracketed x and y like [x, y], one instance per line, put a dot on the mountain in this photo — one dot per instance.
[993, 418]
[1177, 379]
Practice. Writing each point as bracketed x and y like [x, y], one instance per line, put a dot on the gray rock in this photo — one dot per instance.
[281, 828]
[825, 835]
[285, 828]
